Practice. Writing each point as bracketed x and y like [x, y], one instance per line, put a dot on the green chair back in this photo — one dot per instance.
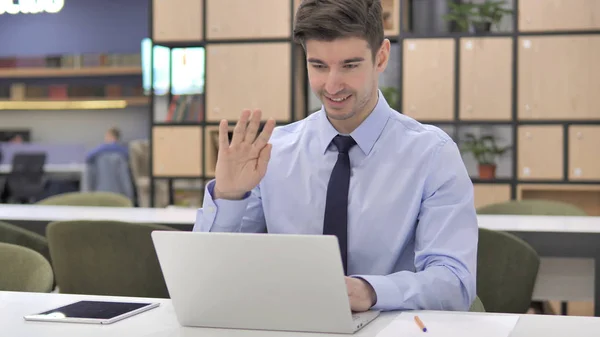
[101, 199]
[10, 233]
[477, 305]
[507, 269]
[106, 258]
[532, 207]
[24, 269]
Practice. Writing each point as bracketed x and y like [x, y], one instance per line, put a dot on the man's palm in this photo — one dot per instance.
[242, 164]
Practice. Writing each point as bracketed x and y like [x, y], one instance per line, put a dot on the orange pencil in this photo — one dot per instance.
[420, 324]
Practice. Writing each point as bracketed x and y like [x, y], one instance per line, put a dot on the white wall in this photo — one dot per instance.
[85, 127]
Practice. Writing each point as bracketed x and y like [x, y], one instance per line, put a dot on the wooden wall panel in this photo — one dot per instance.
[544, 15]
[584, 152]
[177, 151]
[428, 81]
[487, 194]
[177, 20]
[559, 77]
[485, 78]
[540, 152]
[243, 19]
[248, 76]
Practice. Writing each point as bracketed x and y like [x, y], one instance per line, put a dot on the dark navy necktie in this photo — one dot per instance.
[336, 206]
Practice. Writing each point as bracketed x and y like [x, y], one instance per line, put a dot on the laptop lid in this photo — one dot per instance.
[255, 281]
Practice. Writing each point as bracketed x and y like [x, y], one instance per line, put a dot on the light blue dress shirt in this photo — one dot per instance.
[412, 225]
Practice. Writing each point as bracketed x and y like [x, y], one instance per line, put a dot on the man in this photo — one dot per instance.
[395, 192]
[111, 143]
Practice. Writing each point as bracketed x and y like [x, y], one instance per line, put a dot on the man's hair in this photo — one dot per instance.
[328, 20]
[116, 133]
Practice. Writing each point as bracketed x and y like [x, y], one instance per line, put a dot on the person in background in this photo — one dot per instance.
[16, 139]
[111, 143]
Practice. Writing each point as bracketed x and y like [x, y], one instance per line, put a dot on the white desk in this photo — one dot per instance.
[162, 322]
[187, 216]
[52, 168]
[537, 223]
[570, 246]
[44, 213]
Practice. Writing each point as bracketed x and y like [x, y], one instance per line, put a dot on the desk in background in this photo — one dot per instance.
[551, 236]
[36, 217]
[63, 161]
[162, 322]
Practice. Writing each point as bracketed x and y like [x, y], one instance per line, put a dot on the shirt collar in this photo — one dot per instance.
[365, 135]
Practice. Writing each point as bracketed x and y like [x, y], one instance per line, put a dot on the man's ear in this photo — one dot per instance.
[383, 55]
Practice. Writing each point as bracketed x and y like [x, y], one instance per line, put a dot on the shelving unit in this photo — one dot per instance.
[535, 82]
[71, 82]
[250, 61]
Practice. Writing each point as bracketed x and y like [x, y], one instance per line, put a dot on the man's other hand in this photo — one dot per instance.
[361, 294]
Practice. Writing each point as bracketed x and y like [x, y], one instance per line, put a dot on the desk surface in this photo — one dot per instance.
[46, 213]
[51, 168]
[187, 216]
[538, 223]
[163, 322]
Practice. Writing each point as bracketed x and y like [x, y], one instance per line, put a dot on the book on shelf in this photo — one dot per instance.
[186, 108]
[22, 91]
[72, 61]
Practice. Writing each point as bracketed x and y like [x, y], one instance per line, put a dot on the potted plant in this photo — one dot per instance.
[476, 16]
[485, 151]
[391, 96]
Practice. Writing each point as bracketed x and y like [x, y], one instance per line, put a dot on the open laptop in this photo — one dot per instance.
[277, 282]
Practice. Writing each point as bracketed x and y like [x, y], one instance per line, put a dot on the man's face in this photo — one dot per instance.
[344, 75]
[108, 137]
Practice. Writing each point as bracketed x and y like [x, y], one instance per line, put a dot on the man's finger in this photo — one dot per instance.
[240, 128]
[253, 126]
[263, 158]
[223, 135]
[265, 135]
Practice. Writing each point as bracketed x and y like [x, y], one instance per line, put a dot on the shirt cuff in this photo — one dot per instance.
[388, 295]
[221, 214]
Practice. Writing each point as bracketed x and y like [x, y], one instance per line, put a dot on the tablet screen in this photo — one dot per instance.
[93, 310]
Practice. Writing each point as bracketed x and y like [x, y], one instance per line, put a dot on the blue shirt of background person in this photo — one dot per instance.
[111, 144]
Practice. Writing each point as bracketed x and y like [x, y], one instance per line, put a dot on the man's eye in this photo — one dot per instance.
[350, 66]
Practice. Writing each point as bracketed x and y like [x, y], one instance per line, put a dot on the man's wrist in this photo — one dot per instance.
[370, 290]
[227, 195]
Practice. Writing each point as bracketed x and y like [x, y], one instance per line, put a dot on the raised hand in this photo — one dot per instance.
[242, 164]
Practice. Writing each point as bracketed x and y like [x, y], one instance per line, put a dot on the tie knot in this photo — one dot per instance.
[343, 143]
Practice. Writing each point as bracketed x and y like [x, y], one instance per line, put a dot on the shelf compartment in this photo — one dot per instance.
[584, 141]
[555, 15]
[586, 197]
[485, 78]
[231, 19]
[68, 72]
[540, 152]
[559, 77]
[91, 103]
[428, 79]
[177, 151]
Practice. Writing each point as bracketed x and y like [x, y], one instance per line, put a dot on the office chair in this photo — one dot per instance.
[25, 183]
[24, 269]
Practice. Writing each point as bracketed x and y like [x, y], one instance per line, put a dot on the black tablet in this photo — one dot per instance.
[94, 312]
